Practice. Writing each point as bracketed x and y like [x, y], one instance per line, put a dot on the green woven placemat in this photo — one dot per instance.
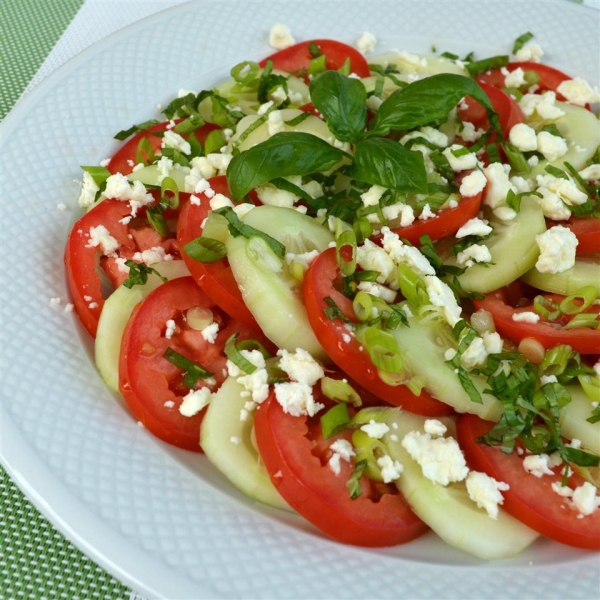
[35, 560]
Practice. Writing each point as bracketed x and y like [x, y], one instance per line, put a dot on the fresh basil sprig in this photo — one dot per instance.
[283, 155]
[380, 161]
[426, 101]
[342, 102]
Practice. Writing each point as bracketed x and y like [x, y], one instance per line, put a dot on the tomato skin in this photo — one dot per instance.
[446, 221]
[216, 278]
[288, 445]
[581, 339]
[298, 57]
[587, 230]
[550, 78]
[509, 112]
[120, 162]
[529, 499]
[348, 356]
[80, 259]
[147, 380]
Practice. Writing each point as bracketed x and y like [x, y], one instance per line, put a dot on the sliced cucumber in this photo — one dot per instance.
[115, 314]
[423, 354]
[574, 423]
[448, 510]
[513, 248]
[238, 460]
[422, 65]
[586, 271]
[311, 124]
[581, 128]
[150, 175]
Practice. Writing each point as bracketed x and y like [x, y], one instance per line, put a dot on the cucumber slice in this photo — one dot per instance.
[448, 510]
[240, 462]
[513, 248]
[586, 271]
[271, 295]
[573, 420]
[115, 314]
[150, 176]
[423, 354]
[311, 124]
[581, 128]
[422, 65]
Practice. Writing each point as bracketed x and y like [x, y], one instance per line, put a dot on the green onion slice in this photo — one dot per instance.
[245, 72]
[335, 420]
[144, 153]
[340, 391]
[579, 301]
[412, 286]
[205, 250]
[588, 320]
[384, 351]
[346, 240]
[353, 484]
[234, 354]
[169, 193]
[193, 371]
[546, 308]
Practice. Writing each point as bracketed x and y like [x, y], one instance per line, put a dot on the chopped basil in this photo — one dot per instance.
[193, 371]
[236, 357]
[333, 311]
[521, 41]
[487, 64]
[138, 274]
[125, 133]
[353, 484]
[214, 141]
[98, 174]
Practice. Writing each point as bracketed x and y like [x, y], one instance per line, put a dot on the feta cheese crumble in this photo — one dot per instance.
[366, 42]
[557, 250]
[485, 491]
[390, 469]
[525, 317]
[280, 37]
[195, 401]
[374, 429]
[578, 91]
[478, 227]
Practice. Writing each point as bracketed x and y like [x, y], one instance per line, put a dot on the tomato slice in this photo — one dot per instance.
[216, 278]
[80, 258]
[298, 57]
[296, 456]
[446, 221]
[125, 158]
[550, 78]
[346, 351]
[529, 499]
[509, 112]
[581, 339]
[587, 230]
[153, 387]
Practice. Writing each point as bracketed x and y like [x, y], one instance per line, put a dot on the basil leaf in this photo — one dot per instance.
[284, 154]
[426, 101]
[388, 163]
[342, 102]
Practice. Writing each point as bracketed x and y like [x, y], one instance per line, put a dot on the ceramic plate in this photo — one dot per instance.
[161, 520]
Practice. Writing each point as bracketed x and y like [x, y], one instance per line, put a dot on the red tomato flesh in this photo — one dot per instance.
[530, 499]
[296, 456]
[319, 283]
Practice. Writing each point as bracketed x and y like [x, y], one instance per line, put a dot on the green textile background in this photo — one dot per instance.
[35, 560]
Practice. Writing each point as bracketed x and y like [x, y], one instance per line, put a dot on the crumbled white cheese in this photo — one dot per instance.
[175, 141]
[485, 491]
[152, 255]
[374, 429]
[195, 401]
[477, 253]
[219, 161]
[390, 469]
[578, 91]
[280, 37]
[170, 329]
[538, 465]
[372, 257]
[551, 146]
[275, 123]
[297, 399]
[472, 184]
[378, 290]
[434, 427]
[89, 189]
[492, 342]
[591, 173]
[210, 332]
[523, 137]
[468, 133]
[562, 490]
[401, 253]
[432, 135]
[543, 104]
[515, 78]
[526, 317]
[440, 458]
[100, 236]
[300, 366]
[544, 379]
[366, 42]
[530, 51]
[164, 166]
[426, 213]
[269, 194]
[585, 499]
[474, 226]
[373, 195]
[341, 450]
[498, 185]
[557, 250]
[441, 295]
[220, 201]
[460, 163]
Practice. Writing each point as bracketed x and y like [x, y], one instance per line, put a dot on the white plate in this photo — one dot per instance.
[161, 520]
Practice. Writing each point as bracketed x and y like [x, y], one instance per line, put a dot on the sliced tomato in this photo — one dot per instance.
[296, 457]
[550, 78]
[446, 221]
[298, 57]
[84, 282]
[587, 230]
[499, 304]
[509, 112]
[321, 281]
[125, 158]
[153, 387]
[530, 499]
[216, 278]
[310, 108]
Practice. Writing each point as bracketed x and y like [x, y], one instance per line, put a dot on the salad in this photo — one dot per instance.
[366, 287]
